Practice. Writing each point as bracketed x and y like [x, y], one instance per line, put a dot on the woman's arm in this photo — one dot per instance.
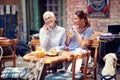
[83, 41]
[86, 40]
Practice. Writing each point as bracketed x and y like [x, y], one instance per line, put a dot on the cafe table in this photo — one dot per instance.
[61, 57]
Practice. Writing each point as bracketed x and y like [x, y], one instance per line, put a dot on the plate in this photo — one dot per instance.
[51, 54]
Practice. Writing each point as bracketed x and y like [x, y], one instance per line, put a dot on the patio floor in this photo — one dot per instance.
[21, 63]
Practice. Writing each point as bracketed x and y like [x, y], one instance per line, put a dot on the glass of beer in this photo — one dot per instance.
[70, 35]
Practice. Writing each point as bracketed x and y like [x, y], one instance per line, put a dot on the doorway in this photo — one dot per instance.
[55, 6]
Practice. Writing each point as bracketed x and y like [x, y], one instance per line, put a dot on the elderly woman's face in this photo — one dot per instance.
[77, 20]
[49, 20]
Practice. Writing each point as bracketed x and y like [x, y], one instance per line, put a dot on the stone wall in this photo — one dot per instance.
[97, 23]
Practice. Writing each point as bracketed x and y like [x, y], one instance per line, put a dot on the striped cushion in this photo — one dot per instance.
[63, 75]
[14, 72]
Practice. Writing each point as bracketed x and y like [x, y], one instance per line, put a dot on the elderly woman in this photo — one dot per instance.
[52, 36]
[79, 35]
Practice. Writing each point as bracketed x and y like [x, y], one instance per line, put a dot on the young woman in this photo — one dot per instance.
[79, 35]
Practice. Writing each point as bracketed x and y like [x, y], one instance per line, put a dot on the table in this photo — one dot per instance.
[5, 41]
[62, 56]
[109, 36]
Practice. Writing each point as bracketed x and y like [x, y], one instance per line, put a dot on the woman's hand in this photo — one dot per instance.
[75, 29]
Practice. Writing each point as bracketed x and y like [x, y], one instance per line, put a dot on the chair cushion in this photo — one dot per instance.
[14, 72]
[63, 75]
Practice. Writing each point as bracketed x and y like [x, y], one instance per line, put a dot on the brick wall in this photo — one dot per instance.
[97, 23]
[10, 2]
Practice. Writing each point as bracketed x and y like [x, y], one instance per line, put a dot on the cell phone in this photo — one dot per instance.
[48, 27]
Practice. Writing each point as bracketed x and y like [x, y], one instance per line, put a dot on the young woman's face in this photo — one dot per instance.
[78, 21]
[49, 20]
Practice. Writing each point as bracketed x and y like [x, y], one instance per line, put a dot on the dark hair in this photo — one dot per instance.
[82, 15]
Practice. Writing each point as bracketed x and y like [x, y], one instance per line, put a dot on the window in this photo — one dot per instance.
[55, 6]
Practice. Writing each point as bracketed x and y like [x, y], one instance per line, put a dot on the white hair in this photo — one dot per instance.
[48, 13]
